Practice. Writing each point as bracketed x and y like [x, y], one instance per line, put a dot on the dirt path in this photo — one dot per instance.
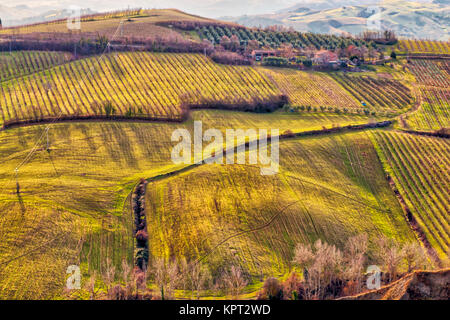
[417, 104]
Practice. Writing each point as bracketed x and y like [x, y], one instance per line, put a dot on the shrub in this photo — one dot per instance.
[142, 237]
[227, 57]
[307, 63]
[393, 55]
[271, 290]
[275, 61]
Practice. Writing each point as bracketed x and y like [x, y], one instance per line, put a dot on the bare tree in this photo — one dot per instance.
[108, 276]
[390, 255]
[303, 255]
[234, 281]
[415, 256]
[90, 286]
[322, 265]
[167, 276]
[200, 278]
[355, 258]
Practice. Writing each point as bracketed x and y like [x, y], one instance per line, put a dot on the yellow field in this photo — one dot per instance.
[311, 89]
[433, 114]
[377, 94]
[328, 187]
[149, 85]
[80, 190]
[423, 46]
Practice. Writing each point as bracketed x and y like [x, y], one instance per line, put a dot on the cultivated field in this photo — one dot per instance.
[328, 188]
[78, 190]
[19, 63]
[79, 132]
[419, 167]
[149, 85]
[431, 72]
[81, 188]
[311, 89]
[423, 46]
[377, 94]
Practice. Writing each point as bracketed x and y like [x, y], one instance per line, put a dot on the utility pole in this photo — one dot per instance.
[17, 180]
[48, 143]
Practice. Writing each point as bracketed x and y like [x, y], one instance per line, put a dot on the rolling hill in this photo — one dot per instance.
[407, 19]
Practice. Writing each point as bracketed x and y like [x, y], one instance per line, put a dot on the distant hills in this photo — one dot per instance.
[22, 14]
[408, 19]
[423, 19]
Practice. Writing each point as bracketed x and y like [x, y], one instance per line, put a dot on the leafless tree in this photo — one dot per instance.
[355, 259]
[200, 278]
[321, 265]
[234, 281]
[108, 276]
[166, 276]
[390, 255]
[415, 256]
[90, 286]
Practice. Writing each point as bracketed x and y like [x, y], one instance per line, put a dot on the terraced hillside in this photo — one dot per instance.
[328, 188]
[149, 85]
[419, 166]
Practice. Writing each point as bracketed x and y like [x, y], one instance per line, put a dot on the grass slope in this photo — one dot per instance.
[140, 25]
[328, 187]
[80, 191]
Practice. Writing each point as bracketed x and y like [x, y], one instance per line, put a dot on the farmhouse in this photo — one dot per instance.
[258, 55]
[324, 57]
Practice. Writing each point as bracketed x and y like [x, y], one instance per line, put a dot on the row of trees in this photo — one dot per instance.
[274, 37]
[322, 271]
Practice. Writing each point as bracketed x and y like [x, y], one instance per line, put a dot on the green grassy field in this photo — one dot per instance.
[328, 187]
[19, 63]
[79, 190]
